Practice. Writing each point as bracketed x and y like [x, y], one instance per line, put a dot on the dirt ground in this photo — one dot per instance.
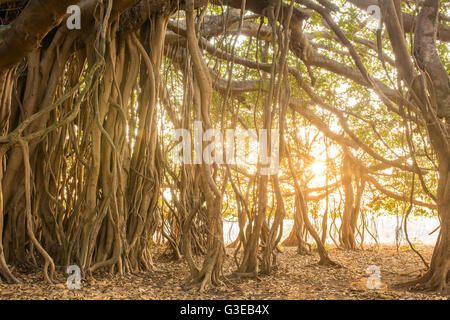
[296, 278]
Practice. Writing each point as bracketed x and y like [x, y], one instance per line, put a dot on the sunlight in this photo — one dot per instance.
[318, 168]
[318, 171]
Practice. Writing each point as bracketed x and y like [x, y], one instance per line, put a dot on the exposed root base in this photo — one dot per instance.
[427, 283]
[203, 283]
[329, 263]
[9, 279]
[6, 275]
[243, 275]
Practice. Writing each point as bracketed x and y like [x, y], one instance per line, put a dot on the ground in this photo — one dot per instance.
[297, 278]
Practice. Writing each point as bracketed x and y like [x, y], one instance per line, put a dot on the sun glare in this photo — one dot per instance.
[318, 168]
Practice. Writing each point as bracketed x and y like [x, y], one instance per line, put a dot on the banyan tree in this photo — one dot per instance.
[88, 174]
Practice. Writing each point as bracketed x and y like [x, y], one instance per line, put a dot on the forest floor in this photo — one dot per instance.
[296, 278]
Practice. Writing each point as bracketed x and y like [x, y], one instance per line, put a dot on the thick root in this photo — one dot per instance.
[430, 282]
[5, 273]
[327, 262]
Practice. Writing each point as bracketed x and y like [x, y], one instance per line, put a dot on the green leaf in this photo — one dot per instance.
[5, 27]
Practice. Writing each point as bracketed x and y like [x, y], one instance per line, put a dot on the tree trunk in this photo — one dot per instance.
[347, 238]
[5, 104]
[438, 276]
[352, 206]
[299, 234]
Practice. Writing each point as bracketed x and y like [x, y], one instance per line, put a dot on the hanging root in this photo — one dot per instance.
[42, 251]
[5, 273]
